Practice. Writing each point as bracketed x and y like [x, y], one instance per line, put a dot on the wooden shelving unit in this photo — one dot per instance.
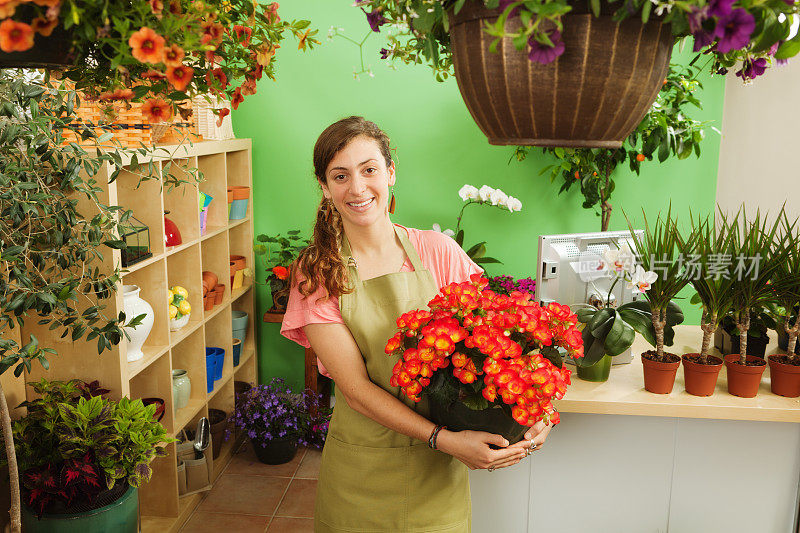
[224, 164]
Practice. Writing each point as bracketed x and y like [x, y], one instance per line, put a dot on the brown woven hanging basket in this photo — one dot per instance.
[592, 96]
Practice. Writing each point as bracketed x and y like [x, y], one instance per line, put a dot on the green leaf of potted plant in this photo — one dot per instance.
[708, 240]
[758, 251]
[278, 253]
[659, 251]
[785, 369]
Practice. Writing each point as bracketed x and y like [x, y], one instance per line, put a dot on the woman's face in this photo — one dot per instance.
[358, 181]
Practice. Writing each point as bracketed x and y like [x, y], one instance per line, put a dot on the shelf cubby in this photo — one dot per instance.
[216, 258]
[183, 269]
[218, 334]
[152, 282]
[143, 198]
[182, 201]
[215, 184]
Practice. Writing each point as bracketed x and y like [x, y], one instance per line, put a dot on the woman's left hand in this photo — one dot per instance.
[534, 437]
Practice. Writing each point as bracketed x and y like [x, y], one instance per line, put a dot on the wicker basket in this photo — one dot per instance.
[207, 120]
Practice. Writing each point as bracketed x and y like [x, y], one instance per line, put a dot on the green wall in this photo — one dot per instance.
[438, 149]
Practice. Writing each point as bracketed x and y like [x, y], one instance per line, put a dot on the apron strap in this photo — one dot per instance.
[410, 251]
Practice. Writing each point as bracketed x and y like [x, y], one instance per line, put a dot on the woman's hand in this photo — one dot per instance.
[472, 448]
[534, 437]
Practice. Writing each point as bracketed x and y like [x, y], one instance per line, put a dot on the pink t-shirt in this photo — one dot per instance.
[439, 253]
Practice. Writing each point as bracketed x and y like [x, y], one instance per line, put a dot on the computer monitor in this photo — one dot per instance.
[568, 271]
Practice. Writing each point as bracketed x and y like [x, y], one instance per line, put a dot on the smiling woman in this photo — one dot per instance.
[361, 273]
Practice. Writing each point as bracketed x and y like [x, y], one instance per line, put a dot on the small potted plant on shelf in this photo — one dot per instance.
[761, 321]
[660, 251]
[278, 420]
[785, 369]
[782, 319]
[486, 361]
[610, 330]
[278, 253]
[758, 252]
[545, 46]
[83, 457]
[707, 242]
[158, 52]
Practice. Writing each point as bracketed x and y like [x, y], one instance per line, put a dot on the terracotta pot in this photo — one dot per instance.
[744, 380]
[205, 288]
[230, 194]
[701, 380]
[210, 278]
[233, 268]
[660, 377]
[593, 95]
[785, 379]
[208, 301]
[219, 293]
[240, 193]
[239, 261]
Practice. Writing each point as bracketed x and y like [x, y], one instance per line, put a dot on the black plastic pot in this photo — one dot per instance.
[755, 345]
[459, 417]
[218, 420]
[783, 342]
[275, 451]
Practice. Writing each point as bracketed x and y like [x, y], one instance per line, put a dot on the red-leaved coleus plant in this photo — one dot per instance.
[502, 349]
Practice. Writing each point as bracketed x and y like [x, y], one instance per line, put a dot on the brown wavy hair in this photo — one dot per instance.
[321, 262]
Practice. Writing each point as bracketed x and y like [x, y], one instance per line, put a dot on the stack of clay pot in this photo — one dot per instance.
[237, 263]
[213, 292]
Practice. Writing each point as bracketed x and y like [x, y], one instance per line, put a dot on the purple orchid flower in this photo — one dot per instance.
[734, 30]
[541, 53]
[375, 19]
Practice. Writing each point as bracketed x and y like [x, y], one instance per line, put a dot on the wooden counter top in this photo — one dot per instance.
[624, 394]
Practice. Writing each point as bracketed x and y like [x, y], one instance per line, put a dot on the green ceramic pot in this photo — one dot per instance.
[597, 372]
[120, 516]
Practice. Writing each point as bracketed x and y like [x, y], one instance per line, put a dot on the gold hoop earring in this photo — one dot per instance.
[392, 203]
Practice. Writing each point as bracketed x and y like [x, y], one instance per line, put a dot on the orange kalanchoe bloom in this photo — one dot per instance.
[180, 77]
[15, 36]
[44, 27]
[173, 56]
[157, 110]
[147, 46]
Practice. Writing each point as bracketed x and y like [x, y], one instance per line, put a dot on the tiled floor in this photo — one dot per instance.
[251, 497]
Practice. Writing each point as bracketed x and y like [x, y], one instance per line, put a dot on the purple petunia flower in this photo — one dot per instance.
[696, 17]
[541, 53]
[720, 8]
[375, 19]
[734, 30]
[505, 3]
[752, 69]
[702, 39]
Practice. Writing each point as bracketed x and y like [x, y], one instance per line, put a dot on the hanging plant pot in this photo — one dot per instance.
[52, 52]
[592, 96]
[459, 417]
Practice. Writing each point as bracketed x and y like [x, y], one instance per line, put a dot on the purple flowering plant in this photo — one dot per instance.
[507, 284]
[273, 411]
[753, 34]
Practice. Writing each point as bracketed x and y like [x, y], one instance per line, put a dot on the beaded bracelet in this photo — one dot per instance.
[434, 435]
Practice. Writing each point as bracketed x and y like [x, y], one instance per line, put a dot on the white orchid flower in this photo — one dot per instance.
[485, 193]
[513, 204]
[498, 197]
[468, 192]
[620, 261]
[448, 232]
[641, 279]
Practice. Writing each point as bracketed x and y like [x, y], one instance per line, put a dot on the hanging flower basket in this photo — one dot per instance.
[592, 96]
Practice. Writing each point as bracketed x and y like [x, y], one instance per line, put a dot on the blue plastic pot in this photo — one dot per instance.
[211, 367]
[220, 355]
[237, 351]
[239, 209]
[239, 324]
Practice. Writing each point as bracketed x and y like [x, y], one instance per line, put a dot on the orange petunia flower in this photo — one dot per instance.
[7, 7]
[272, 12]
[47, 3]
[157, 6]
[224, 112]
[249, 87]
[265, 53]
[180, 76]
[157, 110]
[237, 98]
[301, 41]
[243, 33]
[147, 46]
[212, 31]
[43, 26]
[173, 56]
[217, 77]
[15, 36]
[153, 74]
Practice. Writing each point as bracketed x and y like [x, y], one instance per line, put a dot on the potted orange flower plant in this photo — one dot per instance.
[279, 252]
[486, 361]
[159, 52]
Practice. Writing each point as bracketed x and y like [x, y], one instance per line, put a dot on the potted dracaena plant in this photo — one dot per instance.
[757, 251]
[785, 369]
[659, 251]
[576, 56]
[709, 239]
[609, 330]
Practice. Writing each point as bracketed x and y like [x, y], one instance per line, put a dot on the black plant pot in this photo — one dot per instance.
[218, 420]
[280, 293]
[755, 345]
[459, 417]
[275, 451]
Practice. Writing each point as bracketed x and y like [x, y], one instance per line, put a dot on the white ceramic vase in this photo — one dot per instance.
[133, 307]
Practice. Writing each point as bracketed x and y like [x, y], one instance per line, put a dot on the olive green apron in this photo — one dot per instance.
[372, 478]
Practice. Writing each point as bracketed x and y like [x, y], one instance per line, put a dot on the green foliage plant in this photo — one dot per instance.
[279, 251]
[755, 238]
[660, 251]
[787, 281]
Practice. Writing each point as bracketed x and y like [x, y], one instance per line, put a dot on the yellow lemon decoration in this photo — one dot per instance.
[173, 311]
[184, 307]
[170, 294]
[183, 293]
